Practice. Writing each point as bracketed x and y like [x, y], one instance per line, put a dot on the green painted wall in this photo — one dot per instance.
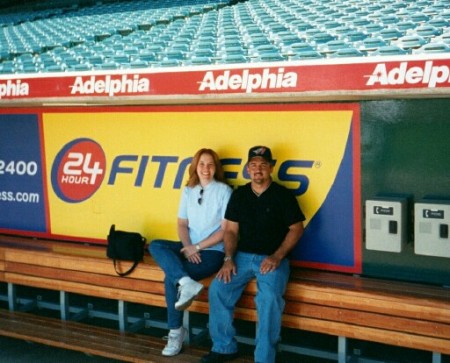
[405, 150]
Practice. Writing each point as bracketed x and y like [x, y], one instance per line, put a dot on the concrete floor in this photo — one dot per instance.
[19, 351]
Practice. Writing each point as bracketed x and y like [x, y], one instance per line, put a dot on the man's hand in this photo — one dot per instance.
[269, 264]
[225, 273]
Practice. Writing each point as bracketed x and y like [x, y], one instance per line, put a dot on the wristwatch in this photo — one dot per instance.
[197, 247]
[227, 258]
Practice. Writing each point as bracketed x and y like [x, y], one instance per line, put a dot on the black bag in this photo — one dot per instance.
[126, 246]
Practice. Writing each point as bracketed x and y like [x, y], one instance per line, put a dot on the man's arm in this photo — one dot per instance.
[292, 236]
[230, 239]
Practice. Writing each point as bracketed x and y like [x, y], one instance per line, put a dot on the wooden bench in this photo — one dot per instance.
[390, 312]
[90, 339]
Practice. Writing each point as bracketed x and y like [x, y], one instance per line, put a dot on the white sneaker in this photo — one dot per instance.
[187, 293]
[174, 343]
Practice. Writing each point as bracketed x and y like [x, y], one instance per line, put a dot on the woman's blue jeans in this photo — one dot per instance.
[175, 266]
[269, 304]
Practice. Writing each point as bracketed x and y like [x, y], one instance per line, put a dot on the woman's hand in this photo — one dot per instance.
[191, 253]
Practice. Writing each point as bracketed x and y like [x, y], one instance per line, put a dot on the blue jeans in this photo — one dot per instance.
[175, 266]
[269, 304]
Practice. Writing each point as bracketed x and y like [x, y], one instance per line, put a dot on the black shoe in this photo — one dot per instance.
[213, 357]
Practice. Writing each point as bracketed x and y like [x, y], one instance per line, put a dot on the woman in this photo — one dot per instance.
[199, 253]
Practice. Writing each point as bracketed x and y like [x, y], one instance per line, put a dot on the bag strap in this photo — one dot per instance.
[130, 270]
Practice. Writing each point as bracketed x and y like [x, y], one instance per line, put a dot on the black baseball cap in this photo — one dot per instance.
[262, 151]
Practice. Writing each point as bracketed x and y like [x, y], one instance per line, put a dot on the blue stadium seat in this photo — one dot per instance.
[391, 33]
[332, 46]
[355, 36]
[419, 17]
[7, 67]
[331, 24]
[373, 28]
[347, 52]
[283, 40]
[307, 55]
[256, 41]
[369, 45]
[321, 38]
[179, 46]
[300, 25]
[172, 54]
[95, 60]
[262, 49]
[229, 42]
[202, 53]
[131, 50]
[28, 68]
[342, 31]
[155, 48]
[80, 67]
[428, 31]
[204, 43]
[390, 50]
[433, 48]
[388, 20]
[138, 64]
[55, 68]
[446, 14]
[119, 59]
[444, 38]
[147, 56]
[405, 25]
[69, 61]
[269, 57]
[232, 58]
[297, 48]
[439, 22]
[409, 42]
[168, 63]
[195, 61]
[107, 66]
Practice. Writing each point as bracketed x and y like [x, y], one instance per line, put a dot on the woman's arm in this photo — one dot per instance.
[213, 239]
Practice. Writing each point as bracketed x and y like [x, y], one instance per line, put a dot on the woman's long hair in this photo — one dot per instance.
[193, 177]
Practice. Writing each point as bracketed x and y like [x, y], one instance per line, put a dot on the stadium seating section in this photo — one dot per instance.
[96, 35]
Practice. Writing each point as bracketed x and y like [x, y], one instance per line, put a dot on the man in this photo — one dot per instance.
[263, 223]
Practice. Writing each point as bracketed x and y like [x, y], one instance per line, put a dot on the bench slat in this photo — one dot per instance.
[362, 318]
[103, 266]
[86, 289]
[153, 287]
[361, 283]
[392, 305]
[413, 341]
[85, 338]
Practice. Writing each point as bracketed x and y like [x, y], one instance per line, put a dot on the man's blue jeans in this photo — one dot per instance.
[269, 304]
[175, 266]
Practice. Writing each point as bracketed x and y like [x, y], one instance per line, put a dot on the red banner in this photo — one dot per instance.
[331, 76]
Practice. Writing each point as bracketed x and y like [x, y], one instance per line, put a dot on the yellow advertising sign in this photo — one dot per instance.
[128, 166]
[157, 142]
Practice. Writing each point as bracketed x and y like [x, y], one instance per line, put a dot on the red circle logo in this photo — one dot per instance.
[78, 170]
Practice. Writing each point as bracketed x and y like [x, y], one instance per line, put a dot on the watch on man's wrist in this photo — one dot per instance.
[227, 258]
[197, 247]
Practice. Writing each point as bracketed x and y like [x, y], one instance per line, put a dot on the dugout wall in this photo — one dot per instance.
[81, 151]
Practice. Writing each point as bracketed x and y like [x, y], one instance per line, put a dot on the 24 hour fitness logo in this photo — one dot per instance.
[78, 170]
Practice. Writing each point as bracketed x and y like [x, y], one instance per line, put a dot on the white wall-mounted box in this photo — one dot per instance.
[386, 224]
[431, 228]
